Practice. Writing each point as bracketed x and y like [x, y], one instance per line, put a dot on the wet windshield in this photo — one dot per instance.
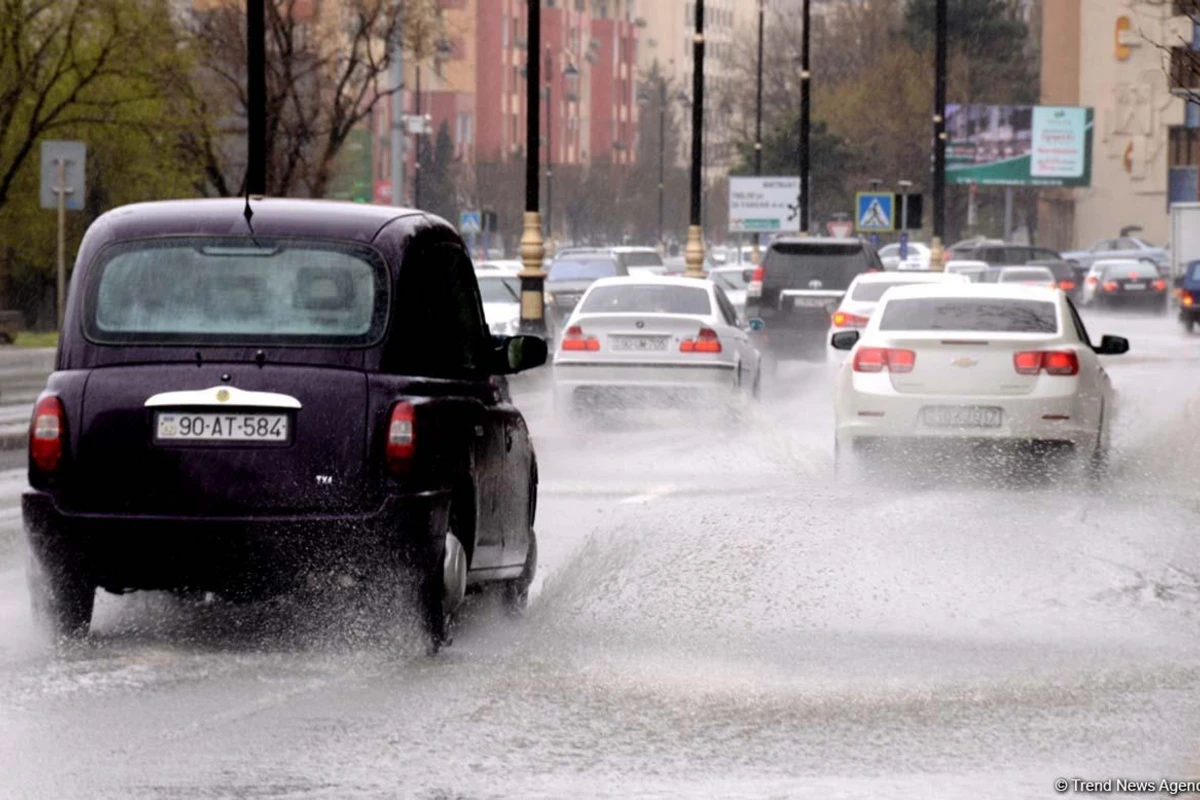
[580, 268]
[647, 299]
[500, 290]
[1142, 270]
[797, 266]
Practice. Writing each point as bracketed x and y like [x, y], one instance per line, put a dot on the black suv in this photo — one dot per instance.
[570, 275]
[248, 394]
[798, 286]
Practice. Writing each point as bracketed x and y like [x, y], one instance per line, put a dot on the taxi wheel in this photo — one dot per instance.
[61, 596]
[515, 596]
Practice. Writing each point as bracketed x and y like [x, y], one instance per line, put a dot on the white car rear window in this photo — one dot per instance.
[969, 314]
[647, 299]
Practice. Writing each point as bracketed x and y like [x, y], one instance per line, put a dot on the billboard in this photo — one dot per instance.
[1019, 145]
[764, 205]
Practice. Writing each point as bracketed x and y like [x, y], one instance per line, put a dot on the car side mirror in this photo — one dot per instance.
[1112, 346]
[756, 324]
[844, 340]
[519, 353]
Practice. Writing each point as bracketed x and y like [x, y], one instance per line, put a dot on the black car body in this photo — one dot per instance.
[1136, 285]
[241, 403]
[570, 275]
[796, 289]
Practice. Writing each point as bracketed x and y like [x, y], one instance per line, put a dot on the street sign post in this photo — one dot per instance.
[764, 205]
[470, 222]
[63, 186]
[874, 212]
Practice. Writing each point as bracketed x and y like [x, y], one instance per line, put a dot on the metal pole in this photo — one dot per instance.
[1008, 213]
[256, 98]
[939, 139]
[662, 153]
[61, 190]
[756, 255]
[549, 144]
[396, 80]
[533, 277]
[805, 113]
[694, 254]
[420, 141]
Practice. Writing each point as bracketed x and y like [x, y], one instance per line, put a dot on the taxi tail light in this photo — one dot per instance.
[755, 287]
[843, 320]
[1054, 362]
[1066, 286]
[884, 359]
[46, 433]
[401, 438]
[706, 341]
[574, 340]
[1160, 285]
[1111, 286]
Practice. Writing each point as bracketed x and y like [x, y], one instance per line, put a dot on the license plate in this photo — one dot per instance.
[962, 417]
[178, 426]
[1133, 287]
[639, 344]
[809, 302]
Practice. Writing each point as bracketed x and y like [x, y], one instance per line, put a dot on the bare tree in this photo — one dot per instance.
[327, 68]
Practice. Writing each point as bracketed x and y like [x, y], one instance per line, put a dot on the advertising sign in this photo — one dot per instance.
[764, 205]
[1019, 145]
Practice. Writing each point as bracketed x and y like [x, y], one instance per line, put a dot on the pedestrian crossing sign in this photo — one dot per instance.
[874, 212]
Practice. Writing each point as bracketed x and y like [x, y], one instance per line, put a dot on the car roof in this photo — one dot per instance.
[738, 268]
[652, 280]
[632, 249]
[1025, 268]
[821, 240]
[905, 276]
[1118, 262]
[973, 291]
[967, 262]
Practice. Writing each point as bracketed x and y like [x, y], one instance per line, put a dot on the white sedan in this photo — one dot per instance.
[501, 295]
[865, 292]
[1005, 363]
[919, 256]
[653, 339]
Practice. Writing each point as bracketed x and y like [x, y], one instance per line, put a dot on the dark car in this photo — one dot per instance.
[799, 284]
[1189, 296]
[1131, 285]
[243, 402]
[570, 275]
[1002, 254]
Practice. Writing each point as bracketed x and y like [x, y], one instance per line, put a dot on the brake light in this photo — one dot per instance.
[706, 341]
[1111, 286]
[1054, 362]
[574, 339]
[46, 431]
[1160, 285]
[1066, 286]
[401, 439]
[1092, 280]
[879, 359]
[843, 320]
[755, 287]
[1186, 298]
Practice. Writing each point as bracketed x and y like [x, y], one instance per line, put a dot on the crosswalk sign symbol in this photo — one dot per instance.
[874, 213]
[470, 222]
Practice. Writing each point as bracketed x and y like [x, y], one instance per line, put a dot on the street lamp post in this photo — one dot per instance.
[256, 98]
[756, 255]
[549, 145]
[694, 254]
[662, 154]
[937, 253]
[533, 277]
[805, 112]
[420, 150]
[905, 188]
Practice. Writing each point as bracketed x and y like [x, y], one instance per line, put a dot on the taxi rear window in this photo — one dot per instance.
[237, 290]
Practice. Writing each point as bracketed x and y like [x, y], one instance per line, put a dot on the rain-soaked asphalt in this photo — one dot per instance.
[717, 616]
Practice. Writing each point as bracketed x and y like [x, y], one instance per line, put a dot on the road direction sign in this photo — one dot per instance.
[874, 212]
[764, 205]
[74, 156]
[470, 222]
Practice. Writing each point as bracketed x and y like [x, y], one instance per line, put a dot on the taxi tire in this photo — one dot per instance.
[62, 597]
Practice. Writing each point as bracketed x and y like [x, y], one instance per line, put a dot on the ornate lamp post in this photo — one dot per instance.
[533, 277]
[694, 254]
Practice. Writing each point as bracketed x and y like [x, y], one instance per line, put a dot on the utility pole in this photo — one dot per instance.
[421, 145]
[937, 252]
[549, 145]
[533, 277]
[805, 113]
[756, 256]
[256, 98]
[694, 253]
[396, 79]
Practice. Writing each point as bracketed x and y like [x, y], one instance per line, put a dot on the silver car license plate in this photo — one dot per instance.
[962, 416]
[639, 344]
[187, 427]
[1134, 287]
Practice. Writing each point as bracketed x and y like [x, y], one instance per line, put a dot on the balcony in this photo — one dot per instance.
[1185, 70]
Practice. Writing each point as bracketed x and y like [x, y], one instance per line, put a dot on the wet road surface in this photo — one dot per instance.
[717, 615]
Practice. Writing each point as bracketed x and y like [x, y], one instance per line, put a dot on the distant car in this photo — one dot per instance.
[243, 402]
[918, 257]
[500, 265]
[865, 292]
[1127, 284]
[974, 270]
[733, 281]
[1067, 275]
[800, 283]
[1001, 254]
[653, 340]
[632, 260]
[1189, 296]
[1125, 247]
[501, 295]
[1006, 364]
[1028, 276]
[570, 275]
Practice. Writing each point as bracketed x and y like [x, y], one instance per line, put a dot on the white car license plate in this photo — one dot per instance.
[1133, 287]
[639, 344]
[809, 302]
[962, 416]
[179, 426]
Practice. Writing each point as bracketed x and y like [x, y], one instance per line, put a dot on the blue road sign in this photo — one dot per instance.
[470, 222]
[873, 212]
